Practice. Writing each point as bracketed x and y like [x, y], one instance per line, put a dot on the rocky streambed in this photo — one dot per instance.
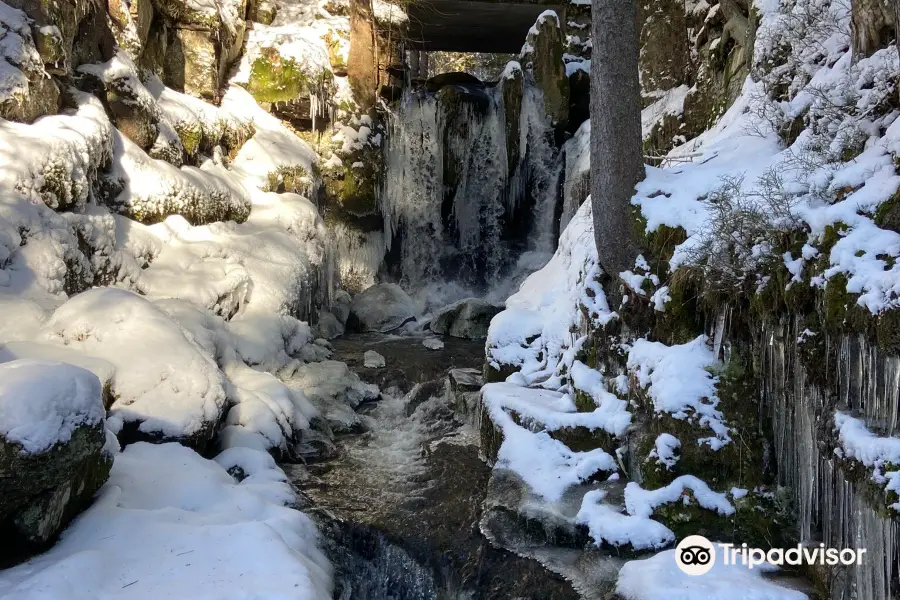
[400, 502]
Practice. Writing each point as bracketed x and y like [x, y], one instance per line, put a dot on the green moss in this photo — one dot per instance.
[274, 78]
[888, 214]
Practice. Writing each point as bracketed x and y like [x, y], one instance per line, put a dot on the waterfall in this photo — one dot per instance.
[455, 207]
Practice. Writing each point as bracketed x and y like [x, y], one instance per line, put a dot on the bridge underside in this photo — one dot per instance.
[467, 26]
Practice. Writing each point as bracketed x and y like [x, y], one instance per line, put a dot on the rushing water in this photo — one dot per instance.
[404, 499]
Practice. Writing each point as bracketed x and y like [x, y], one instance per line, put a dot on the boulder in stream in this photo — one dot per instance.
[468, 319]
[373, 360]
[382, 308]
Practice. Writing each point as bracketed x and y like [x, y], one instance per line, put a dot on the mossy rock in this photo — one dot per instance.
[41, 493]
[544, 60]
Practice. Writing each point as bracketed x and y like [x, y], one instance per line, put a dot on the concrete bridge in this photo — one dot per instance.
[472, 26]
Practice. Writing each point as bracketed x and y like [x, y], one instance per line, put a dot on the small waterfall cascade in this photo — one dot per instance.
[469, 188]
[830, 506]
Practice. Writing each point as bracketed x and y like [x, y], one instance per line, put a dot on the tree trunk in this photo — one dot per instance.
[871, 26]
[362, 69]
[617, 162]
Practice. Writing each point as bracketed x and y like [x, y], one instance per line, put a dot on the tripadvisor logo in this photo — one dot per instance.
[696, 555]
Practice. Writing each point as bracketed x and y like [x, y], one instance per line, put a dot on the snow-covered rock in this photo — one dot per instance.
[373, 360]
[433, 343]
[166, 386]
[660, 578]
[171, 524]
[335, 391]
[469, 319]
[52, 439]
[383, 307]
[103, 369]
[26, 89]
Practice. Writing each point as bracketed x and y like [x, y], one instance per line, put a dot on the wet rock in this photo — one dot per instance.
[373, 360]
[328, 326]
[340, 306]
[467, 319]
[52, 457]
[465, 388]
[542, 56]
[383, 308]
[422, 392]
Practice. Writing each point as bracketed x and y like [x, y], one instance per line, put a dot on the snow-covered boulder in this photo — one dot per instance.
[373, 360]
[52, 457]
[383, 307]
[103, 369]
[469, 319]
[171, 524]
[166, 386]
[335, 391]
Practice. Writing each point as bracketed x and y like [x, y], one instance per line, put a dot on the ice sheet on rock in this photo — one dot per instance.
[608, 525]
[42, 402]
[171, 524]
[659, 578]
[642, 503]
[165, 383]
[678, 380]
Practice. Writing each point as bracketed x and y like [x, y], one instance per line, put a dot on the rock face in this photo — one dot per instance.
[27, 92]
[542, 55]
[383, 307]
[52, 457]
[468, 319]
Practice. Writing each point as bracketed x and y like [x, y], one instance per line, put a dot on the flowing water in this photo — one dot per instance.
[403, 500]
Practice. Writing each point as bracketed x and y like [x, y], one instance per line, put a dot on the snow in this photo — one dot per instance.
[642, 503]
[679, 383]
[857, 442]
[671, 103]
[17, 53]
[104, 370]
[611, 412]
[373, 360]
[608, 525]
[433, 343]
[545, 464]
[165, 383]
[659, 578]
[535, 331]
[665, 450]
[170, 524]
[42, 403]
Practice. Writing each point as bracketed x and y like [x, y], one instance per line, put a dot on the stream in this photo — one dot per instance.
[400, 505]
